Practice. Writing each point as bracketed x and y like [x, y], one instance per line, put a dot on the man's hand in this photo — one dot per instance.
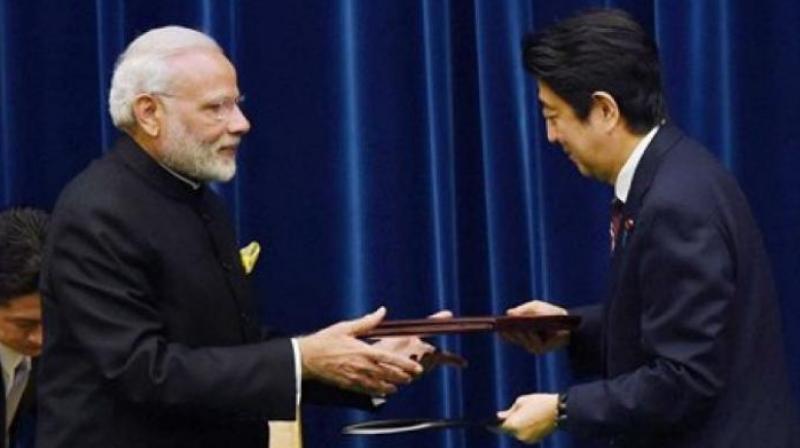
[334, 355]
[415, 348]
[534, 341]
[531, 418]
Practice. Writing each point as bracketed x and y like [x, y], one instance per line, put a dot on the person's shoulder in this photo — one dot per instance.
[102, 185]
[691, 179]
[689, 170]
[691, 157]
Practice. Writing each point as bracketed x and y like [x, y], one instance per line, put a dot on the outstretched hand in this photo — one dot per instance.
[537, 342]
[334, 355]
[416, 349]
[531, 418]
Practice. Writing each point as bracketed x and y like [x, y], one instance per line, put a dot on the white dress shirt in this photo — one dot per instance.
[622, 186]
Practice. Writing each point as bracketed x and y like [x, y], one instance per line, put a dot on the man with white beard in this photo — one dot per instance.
[151, 337]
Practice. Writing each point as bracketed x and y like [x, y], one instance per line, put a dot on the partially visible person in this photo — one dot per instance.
[151, 335]
[686, 352]
[22, 238]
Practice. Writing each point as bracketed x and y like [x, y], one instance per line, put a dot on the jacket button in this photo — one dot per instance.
[227, 266]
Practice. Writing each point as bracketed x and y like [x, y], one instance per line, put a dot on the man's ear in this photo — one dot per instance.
[607, 110]
[147, 113]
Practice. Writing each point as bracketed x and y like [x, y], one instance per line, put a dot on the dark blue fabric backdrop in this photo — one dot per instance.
[397, 158]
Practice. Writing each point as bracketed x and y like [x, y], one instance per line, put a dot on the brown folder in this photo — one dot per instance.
[431, 326]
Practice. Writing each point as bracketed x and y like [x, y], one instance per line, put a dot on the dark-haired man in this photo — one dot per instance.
[687, 348]
[22, 235]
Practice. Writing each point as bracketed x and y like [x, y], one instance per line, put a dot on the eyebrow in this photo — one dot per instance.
[219, 96]
[214, 99]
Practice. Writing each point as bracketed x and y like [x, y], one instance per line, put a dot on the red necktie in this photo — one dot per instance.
[615, 227]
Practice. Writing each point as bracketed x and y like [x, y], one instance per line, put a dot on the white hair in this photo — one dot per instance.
[144, 67]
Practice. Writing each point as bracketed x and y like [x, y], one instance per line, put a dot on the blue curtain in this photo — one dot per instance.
[398, 158]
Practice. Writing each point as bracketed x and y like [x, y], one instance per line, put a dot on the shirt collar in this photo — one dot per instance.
[10, 359]
[622, 186]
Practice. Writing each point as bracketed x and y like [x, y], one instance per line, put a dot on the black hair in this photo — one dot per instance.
[22, 236]
[600, 50]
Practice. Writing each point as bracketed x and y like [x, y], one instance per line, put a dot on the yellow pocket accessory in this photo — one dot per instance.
[249, 255]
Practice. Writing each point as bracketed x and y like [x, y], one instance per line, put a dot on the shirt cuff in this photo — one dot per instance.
[298, 373]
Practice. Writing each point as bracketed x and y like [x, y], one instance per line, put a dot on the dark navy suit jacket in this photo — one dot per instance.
[688, 347]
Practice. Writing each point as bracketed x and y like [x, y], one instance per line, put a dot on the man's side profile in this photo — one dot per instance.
[151, 336]
[687, 350]
[22, 238]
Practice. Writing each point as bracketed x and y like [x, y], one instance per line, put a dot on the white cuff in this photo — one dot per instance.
[298, 373]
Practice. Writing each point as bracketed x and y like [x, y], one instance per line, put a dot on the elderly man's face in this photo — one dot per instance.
[203, 122]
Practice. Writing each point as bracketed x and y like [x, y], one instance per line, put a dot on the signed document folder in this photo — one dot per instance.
[430, 326]
[452, 325]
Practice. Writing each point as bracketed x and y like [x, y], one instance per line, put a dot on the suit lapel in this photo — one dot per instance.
[664, 140]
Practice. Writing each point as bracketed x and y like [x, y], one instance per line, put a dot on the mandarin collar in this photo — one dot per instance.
[144, 165]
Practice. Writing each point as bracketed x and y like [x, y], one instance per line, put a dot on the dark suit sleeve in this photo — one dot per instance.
[315, 392]
[102, 277]
[585, 343]
[685, 279]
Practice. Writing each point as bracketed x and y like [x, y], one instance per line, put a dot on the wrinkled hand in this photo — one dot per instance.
[414, 348]
[537, 342]
[334, 355]
[531, 418]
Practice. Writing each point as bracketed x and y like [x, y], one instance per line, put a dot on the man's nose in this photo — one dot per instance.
[35, 337]
[238, 123]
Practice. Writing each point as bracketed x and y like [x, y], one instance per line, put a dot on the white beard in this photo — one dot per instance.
[198, 160]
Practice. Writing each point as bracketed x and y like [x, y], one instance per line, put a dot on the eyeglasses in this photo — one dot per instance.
[218, 110]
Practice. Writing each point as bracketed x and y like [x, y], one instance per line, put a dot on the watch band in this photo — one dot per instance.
[561, 416]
